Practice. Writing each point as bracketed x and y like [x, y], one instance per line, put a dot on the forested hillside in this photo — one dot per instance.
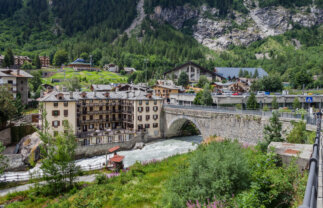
[96, 27]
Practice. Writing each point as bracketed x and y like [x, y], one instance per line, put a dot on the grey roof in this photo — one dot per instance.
[126, 95]
[224, 84]
[14, 73]
[99, 87]
[129, 69]
[234, 72]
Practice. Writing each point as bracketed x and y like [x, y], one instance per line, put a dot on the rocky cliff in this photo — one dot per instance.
[239, 29]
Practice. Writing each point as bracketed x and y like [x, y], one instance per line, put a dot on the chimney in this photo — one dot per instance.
[18, 71]
[94, 93]
[71, 95]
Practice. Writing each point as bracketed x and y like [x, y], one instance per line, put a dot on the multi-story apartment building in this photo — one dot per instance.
[165, 88]
[17, 82]
[103, 117]
[44, 60]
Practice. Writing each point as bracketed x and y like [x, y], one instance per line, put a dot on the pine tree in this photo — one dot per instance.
[256, 74]
[37, 62]
[272, 131]
[274, 103]
[183, 79]
[240, 73]
[206, 95]
[252, 102]
[9, 59]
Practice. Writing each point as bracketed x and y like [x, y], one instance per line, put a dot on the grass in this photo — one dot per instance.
[86, 77]
[143, 186]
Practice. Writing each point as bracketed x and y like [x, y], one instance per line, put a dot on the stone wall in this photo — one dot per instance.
[245, 128]
[97, 150]
[5, 136]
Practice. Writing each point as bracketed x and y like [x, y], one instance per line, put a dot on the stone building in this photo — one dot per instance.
[20, 60]
[17, 81]
[104, 117]
[44, 60]
[194, 72]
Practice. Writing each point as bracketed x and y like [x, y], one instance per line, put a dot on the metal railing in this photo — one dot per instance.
[28, 176]
[309, 119]
[311, 192]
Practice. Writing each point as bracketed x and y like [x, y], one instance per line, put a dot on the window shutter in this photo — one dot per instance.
[52, 123]
[58, 123]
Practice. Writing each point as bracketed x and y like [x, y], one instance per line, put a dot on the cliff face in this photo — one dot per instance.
[239, 29]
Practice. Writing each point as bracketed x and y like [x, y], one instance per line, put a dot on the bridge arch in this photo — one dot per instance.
[174, 127]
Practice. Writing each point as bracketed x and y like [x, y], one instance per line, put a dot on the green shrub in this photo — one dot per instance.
[219, 169]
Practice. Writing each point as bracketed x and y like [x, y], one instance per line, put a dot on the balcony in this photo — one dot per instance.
[92, 121]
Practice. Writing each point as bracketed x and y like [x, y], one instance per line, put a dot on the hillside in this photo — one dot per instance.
[283, 37]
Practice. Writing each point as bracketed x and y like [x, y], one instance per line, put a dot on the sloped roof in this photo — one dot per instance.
[227, 72]
[116, 158]
[196, 65]
[98, 87]
[80, 61]
[14, 73]
[113, 149]
[129, 95]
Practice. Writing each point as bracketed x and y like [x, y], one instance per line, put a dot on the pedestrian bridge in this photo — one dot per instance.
[246, 126]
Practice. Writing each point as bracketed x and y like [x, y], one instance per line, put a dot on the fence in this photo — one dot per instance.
[311, 192]
[28, 176]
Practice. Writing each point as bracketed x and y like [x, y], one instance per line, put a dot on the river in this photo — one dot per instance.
[156, 150]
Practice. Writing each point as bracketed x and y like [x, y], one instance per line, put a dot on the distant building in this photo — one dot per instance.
[194, 72]
[232, 73]
[111, 68]
[101, 88]
[44, 60]
[129, 70]
[19, 60]
[231, 86]
[141, 87]
[17, 81]
[81, 65]
[164, 88]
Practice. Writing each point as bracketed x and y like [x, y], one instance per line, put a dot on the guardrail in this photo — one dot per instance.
[311, 192]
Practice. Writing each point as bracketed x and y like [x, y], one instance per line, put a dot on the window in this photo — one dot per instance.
[65, 122]
[66, 132]
[84, 118]
[91, 126]
[65, 104]
[140, 102]
[65, 113]
[55, 133]
[147, 117]
[101, 108]
[147, 126]
[140, 126]
[55, 104]
[155, 125]
[163, 90]
[107, 108]
[55, 113]
[155, 117]
[101, 117]
[140, 109]
[147, 109]
[155, 102]
[55, 124]
[155, 108]
[91, 108]
[139, 118]
[147, 102]
[91, 117]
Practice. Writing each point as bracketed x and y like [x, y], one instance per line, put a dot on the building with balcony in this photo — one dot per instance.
[164, 88]
[103, 117]
[17, 82]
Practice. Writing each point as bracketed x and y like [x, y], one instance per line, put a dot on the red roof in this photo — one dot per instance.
[113, 149]
[117, 158]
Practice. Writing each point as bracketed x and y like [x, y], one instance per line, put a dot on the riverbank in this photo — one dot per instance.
[155, 150]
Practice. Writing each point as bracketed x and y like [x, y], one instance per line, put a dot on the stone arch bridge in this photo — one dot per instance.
[245, 126]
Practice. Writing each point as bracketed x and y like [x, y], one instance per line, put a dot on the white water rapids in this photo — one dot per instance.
[157, 150]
